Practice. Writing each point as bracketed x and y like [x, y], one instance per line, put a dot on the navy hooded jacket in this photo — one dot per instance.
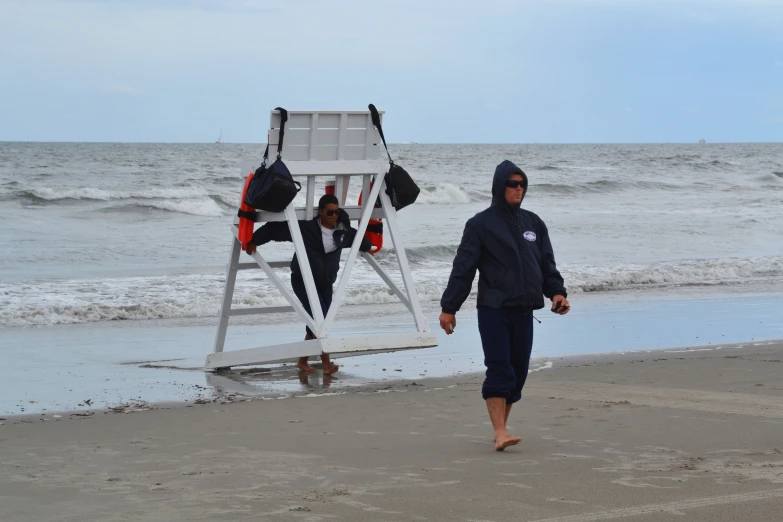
[510, 248]
[324, 266]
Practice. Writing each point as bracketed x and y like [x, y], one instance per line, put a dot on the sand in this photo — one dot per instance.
[655, 436]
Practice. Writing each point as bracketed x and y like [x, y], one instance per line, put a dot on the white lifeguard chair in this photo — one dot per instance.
[342, 145]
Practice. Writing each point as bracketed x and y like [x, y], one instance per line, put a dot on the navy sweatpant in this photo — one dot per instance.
[507, 339]
[324, 297]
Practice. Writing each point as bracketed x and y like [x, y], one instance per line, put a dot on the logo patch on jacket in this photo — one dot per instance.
[529, 235]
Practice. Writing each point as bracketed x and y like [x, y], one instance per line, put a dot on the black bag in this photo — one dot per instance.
[273, 188]
[400, 187]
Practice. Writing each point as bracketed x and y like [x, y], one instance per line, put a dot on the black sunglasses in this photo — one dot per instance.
[333, 212]
[512, 183]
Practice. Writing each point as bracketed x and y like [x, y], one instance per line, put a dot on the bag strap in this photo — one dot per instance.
[376, 120]
[266, 155]
[283, 120]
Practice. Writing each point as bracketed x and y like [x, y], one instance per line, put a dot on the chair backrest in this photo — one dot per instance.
[325, 136]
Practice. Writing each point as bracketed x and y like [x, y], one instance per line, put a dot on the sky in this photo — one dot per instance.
[445, 71]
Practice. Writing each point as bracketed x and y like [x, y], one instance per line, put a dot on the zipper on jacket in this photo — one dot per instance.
[520, 247]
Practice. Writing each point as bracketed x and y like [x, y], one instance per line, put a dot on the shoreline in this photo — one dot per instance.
[228, 390]
[55, 369]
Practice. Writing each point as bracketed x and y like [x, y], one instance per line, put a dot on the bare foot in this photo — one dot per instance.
[329, 370]
[305, 367]
[505, 441]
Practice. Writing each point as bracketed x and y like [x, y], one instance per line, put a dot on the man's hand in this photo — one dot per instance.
[250, 248]
[448, 322]
[560, 305]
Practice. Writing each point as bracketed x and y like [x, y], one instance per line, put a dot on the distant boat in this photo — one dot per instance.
[701, 141]
[220, 139]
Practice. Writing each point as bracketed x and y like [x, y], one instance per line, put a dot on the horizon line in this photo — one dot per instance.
[408, 143]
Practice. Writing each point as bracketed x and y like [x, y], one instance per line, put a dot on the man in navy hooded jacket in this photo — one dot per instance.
[324, 237]
[510, 248]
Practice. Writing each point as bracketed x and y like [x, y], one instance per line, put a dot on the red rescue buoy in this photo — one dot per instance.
[246, 225]
[374, 232]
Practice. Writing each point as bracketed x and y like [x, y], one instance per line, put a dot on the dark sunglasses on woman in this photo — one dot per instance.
[332, 212]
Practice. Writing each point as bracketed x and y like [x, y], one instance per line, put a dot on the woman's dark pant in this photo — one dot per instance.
[324, 297]
[507, 339]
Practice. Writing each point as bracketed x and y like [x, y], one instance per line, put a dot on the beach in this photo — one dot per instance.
[661, 435]
[641, 404]
[621, 162]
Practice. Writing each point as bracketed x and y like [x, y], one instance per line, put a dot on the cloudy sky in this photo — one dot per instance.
[445, 71]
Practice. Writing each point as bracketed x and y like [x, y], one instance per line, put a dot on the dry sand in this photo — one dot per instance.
[654, 436]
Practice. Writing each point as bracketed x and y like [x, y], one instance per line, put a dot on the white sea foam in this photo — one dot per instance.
[55, 194]
[443, 193]
[46, 302]
[196, 206]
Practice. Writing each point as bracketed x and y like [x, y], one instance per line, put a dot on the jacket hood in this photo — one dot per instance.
[502, 173]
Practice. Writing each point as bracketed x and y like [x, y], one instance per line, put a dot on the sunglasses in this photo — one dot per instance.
[512, 183]
[333, 212]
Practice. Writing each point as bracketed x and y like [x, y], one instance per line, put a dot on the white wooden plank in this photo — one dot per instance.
[358, 152]
[317, 136]
[341, 189]
[372, 148]
[228, 293]
[272, 264]
[304, 267]
[313, 131]
[329, 121]
[366, 180]
[357, 121]
[402, 260]
[326, 136]
[262, 310]
[355, 136]
[326, 152]
[333, 168]
[344, 196]
[301, 119]
[296, 120]
[263, 354]
[365, 111]
[345, 347]
[372, 343]
[354, 212]
[309, 198]
[341, 137]
[291, 153]
[290, 138]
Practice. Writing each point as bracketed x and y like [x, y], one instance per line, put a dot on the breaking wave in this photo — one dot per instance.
[47, 302]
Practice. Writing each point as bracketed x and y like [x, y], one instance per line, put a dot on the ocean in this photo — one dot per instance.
[94, 233]
[102, 232]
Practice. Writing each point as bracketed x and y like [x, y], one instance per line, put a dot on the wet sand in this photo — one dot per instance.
[664, 435]
[56, 369]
